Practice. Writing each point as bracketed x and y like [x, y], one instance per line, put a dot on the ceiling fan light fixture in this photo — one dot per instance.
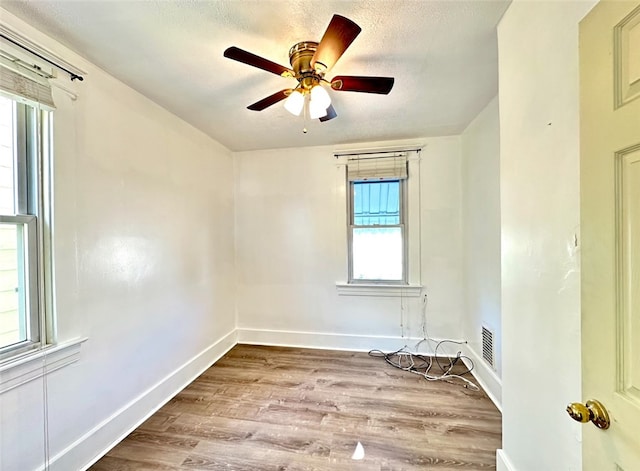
[320, 97]
[310, 61]
[316, 110]
[294, 103]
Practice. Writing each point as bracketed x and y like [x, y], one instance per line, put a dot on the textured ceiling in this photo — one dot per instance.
[443, 55]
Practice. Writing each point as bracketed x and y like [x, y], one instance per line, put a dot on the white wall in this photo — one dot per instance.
[539, 184]
[481, 240]
[143, 231]
[291, 251]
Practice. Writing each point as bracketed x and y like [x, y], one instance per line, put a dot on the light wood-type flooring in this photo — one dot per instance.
[276, 408]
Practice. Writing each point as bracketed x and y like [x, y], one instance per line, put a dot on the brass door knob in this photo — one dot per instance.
[592, 411]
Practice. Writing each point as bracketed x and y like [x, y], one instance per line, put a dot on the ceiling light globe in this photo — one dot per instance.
[294, 103]
[320, 96]
[316, 111]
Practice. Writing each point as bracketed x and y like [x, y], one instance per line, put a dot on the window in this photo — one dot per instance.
[377, 235]
[24, 134]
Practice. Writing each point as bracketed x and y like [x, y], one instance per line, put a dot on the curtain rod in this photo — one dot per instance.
[379, 152]
[40, 56]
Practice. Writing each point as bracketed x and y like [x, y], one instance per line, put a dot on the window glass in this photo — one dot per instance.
[376, 203]
[377, 253]
[13, 326]
[377, 231]
[7, 177]
[21, 321]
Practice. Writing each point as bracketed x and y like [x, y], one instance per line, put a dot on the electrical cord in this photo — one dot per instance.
[406, 361]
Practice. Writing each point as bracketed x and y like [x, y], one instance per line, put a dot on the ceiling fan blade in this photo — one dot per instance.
[331, 113]
[339, 35]
[249, 58]
[270, 100]
[353, 83]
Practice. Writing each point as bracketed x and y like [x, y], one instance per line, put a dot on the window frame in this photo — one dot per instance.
[32, 150]
[402, 203]
[413, 223]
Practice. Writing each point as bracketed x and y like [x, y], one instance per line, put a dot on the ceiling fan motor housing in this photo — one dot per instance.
[300, 56]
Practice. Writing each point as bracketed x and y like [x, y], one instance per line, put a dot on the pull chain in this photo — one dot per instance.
[306, 113]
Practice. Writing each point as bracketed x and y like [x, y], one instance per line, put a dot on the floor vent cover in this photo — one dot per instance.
[487, 346]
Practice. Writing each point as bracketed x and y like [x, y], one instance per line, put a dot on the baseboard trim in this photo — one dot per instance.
[94, 444]
[503, 463]
[346, 342]
[485, 376]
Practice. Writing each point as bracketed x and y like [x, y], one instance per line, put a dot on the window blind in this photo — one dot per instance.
[20, 83]
[377, 168]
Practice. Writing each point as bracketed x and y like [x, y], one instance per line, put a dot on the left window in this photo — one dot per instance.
[24, 145]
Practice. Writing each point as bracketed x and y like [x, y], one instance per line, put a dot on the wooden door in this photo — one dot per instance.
[610, 227]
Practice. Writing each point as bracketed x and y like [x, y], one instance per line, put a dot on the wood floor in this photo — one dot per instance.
[274, 408]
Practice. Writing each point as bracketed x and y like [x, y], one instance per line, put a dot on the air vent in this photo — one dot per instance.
[487, 346]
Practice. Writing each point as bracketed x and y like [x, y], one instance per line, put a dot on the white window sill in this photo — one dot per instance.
[375, 289]
[34, 365]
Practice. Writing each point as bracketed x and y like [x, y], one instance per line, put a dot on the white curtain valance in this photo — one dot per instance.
[378, 167]
[22, 84]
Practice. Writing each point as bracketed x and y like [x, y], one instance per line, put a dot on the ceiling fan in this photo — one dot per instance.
[310, 61]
